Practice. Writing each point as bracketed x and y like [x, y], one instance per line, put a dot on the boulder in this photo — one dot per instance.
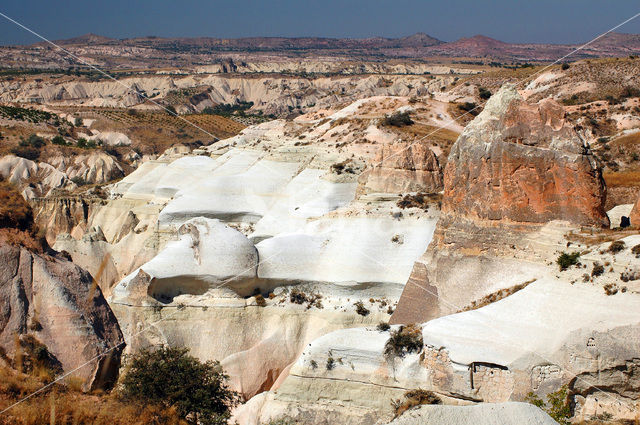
[521, 162]
[54, 301]
[402, 167]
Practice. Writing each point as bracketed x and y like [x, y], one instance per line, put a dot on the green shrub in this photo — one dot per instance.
[78, 122]
[406, 339]
[636, 251]
[483, 93]
[557, 405]
[59, 140]
[565, 260]
[173, 378]
[398, 119]
[468, 107]
[616, 246]
[383, 327]
[361, 309]
[565, 66]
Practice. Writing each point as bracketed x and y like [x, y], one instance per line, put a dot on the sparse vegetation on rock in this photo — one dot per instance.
[406, 339]
[616, 247]
[414, 398]
[398, 119]
[361, 309]
[557, 405]
[566, 260]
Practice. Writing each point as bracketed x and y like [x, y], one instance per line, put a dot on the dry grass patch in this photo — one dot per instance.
[414, 398]
[496, 296]
[622, 179]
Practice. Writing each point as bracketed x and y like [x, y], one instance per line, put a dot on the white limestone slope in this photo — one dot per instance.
[194, 237]
[534, 340]
[511, 413]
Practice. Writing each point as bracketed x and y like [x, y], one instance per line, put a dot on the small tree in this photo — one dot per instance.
[557, 405]
[173, 378]
[58, 140]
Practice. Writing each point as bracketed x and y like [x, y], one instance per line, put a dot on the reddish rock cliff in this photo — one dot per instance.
[515, 168]
[634, 217]
[521, 163]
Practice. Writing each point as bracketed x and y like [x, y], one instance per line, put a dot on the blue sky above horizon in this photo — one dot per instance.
[539, 21]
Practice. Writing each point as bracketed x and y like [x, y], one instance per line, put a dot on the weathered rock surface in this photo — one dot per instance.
[533, 340]
[193, 240]
[59, 214]
[94, 168]
[517, 179]
[244, 223]
[56, 301]
[521, 163]
[634, 217]
[403, 167]
[34, 179]
[482, 414]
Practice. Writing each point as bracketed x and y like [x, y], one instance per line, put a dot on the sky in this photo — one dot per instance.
[543, 21]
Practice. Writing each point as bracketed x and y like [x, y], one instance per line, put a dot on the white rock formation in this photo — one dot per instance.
[35, 179]
[533, 340]
[481, 414]
[95, 167]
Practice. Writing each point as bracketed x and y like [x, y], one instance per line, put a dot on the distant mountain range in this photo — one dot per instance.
[178, 52]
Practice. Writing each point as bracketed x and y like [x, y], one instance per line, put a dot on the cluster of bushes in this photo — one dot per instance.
[419, 200]
[297, 296]
[29, 148]
[566, 260]
[397, 119]
[343, 167]
[484, 93]
[227, 109]
[161, 386]
[26, 114]
[469, 107]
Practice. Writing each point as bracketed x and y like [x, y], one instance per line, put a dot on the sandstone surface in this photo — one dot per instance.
[56, 301]
[481, 414]
[517, 179]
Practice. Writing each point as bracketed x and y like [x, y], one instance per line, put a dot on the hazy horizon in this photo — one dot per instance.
[545, 21]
